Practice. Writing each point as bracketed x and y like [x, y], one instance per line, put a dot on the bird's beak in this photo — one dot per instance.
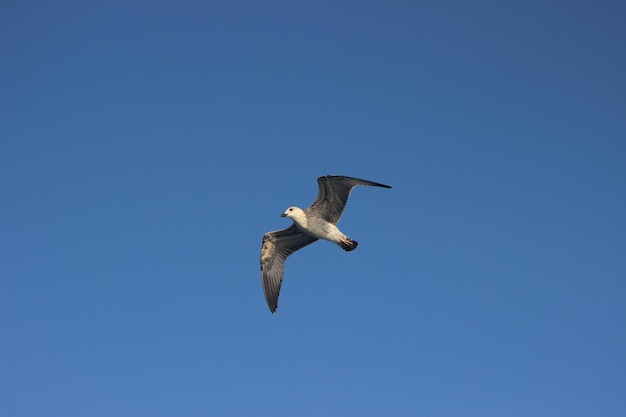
[283, 215]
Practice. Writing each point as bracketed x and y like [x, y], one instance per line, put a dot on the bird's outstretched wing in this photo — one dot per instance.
[277, 246]
[334, 191]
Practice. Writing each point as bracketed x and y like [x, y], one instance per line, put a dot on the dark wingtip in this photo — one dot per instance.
[377, 184]
[372, 183]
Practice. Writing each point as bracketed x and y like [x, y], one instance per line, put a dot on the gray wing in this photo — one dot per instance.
[334, 191]
[277, 246]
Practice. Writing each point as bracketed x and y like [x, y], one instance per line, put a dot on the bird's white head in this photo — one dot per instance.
[294, 213]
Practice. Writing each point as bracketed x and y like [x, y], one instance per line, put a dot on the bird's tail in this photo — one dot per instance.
[348, 244]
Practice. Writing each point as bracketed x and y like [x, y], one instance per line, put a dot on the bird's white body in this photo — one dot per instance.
[316, 227]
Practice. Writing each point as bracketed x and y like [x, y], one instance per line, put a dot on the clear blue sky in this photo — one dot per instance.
[147, 146]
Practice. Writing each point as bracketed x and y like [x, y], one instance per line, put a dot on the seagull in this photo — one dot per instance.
[319, 221]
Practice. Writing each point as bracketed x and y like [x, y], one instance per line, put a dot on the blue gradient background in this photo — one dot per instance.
[146, 146]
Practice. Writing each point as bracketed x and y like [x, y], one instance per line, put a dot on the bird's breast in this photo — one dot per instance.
[322, 230]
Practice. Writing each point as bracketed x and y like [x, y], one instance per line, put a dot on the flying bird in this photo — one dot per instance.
[319, 221]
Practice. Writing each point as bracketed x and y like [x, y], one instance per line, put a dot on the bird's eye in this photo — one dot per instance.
[290, 209]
